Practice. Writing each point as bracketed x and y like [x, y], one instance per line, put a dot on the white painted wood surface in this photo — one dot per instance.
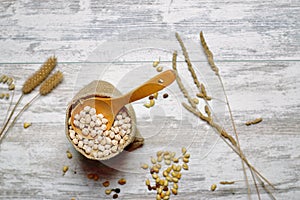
[256, 46]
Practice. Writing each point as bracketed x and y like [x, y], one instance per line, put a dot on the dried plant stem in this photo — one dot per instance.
[213, 66]
[203, 93]
[10, 116]
[228, 139]
[179, 82]
[8, 109]
[188, 61]
[229, 142]
[25, 107]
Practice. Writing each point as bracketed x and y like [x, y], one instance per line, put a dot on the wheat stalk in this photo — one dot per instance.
[228, 139]
[30, 84]
[39, 76]
[47, 86]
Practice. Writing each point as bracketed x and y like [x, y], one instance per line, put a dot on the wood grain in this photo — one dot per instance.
[256, 47]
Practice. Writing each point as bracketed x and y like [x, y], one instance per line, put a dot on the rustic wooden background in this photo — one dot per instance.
[256, 46]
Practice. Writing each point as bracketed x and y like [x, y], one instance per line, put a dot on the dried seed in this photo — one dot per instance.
[158, 197]
[159, 69]
[187, 155]
[185, 166]
[96, 177]
[39, 76]
[186, 160]
[117, 190]
[9, 81]
[167, 162]
[155, 169]
[175, 160]
[174, 191]
[165, 96]
[213, 187]
[147, 182]
[151, 97]
[159, 190]
[168, 192]
[175, 185]
[106, 183]
[178, 175]
[115, 196]
[26, 124]
[159, 153]
[160, 81]
[175, 180]
[167, 157]
[144, 166]
[165, 173]
[174, 174]
[90, 176]
[169, 178]
[51, 83]
[178, 168]
[154, 176]
[65, 169]
[158, 166]
[183, 150]
[122, 181]
[153, 160]
[11, 87]
[155, 63]
[155, 95]
[7, 96]
[69, 154]
[159, 159]
[169, 169]
[166, 198]
[195, 100]
[161, 182]
[227, 182]
[166, 183]
[255, 121]
[108, 191]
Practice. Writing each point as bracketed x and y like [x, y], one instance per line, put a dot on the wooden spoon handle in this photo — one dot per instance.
[153, 85]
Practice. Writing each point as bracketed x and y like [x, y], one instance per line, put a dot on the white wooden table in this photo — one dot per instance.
[256, 46]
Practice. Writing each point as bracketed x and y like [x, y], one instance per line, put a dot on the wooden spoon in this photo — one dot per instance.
[110, 107]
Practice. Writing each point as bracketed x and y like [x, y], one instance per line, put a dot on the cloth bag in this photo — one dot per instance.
[104, 89]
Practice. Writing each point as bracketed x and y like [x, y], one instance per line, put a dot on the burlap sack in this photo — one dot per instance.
[104, 89]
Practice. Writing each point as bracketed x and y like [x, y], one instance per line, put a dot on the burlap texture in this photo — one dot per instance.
[104, 89]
